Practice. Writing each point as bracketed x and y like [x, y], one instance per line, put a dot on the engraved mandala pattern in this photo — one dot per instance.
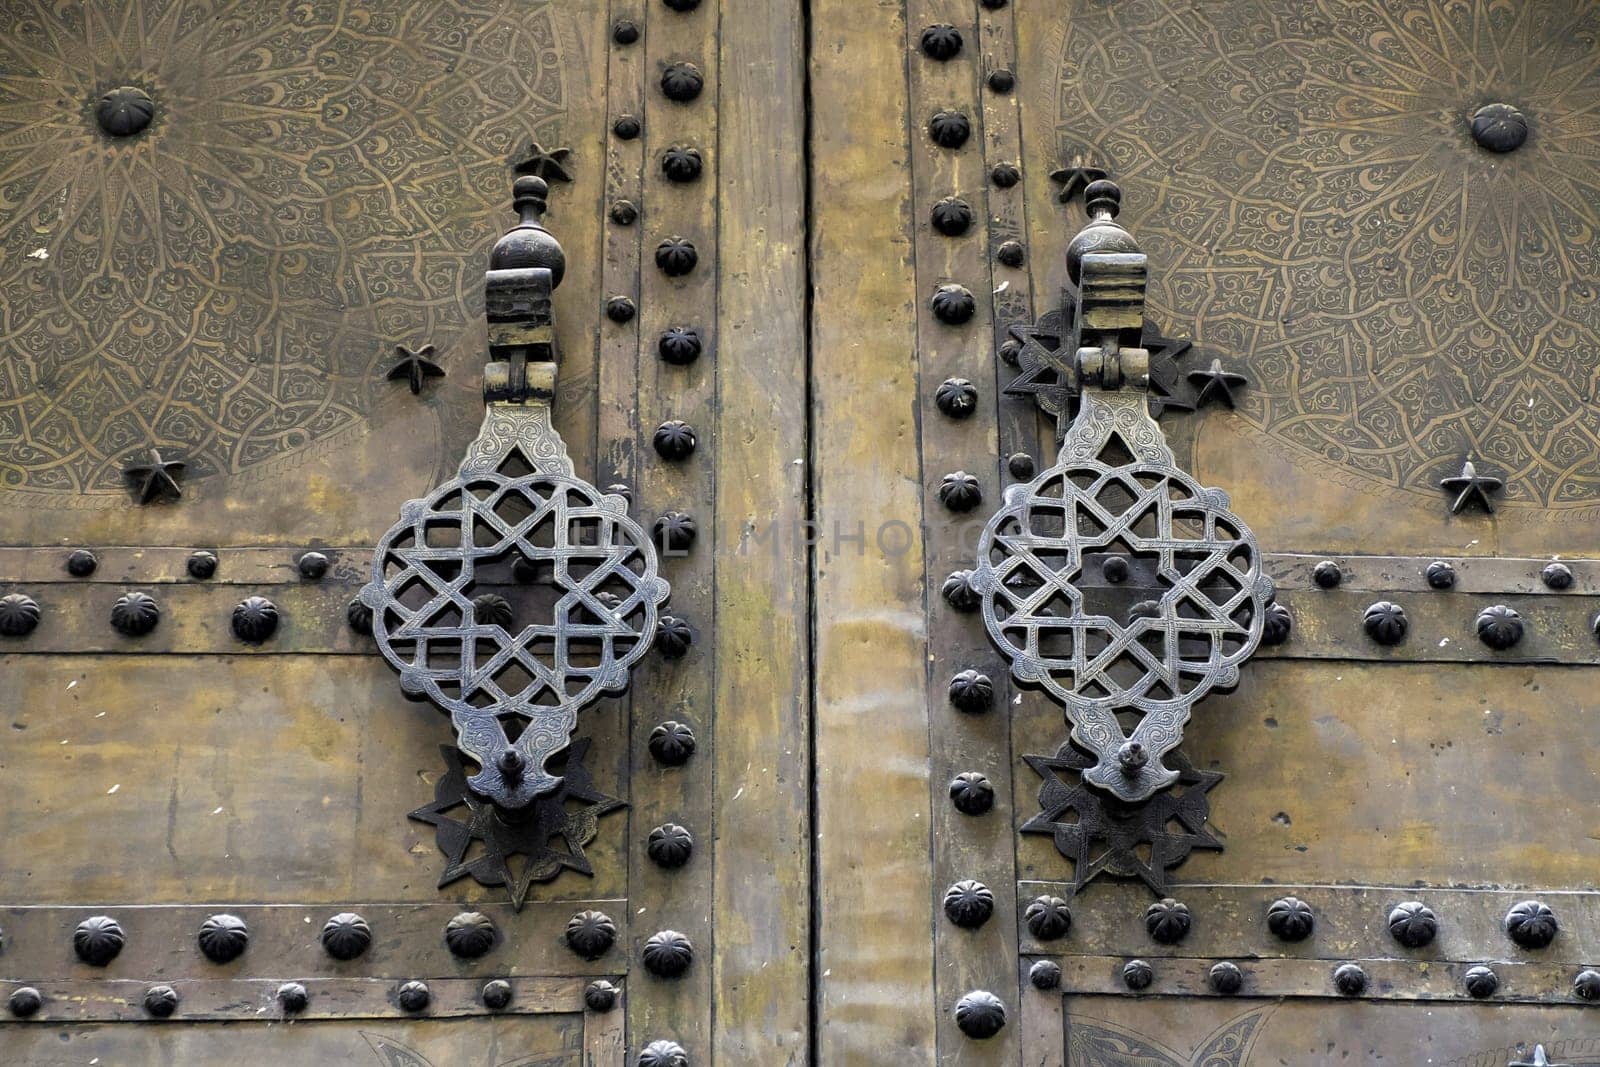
[1308, 180]
[313, 187]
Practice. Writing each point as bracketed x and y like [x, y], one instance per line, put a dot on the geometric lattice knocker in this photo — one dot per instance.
[516, 594]
[1113, 580]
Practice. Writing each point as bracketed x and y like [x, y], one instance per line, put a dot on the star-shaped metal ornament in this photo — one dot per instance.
[157, 477]
[1469, 487]
[415, 367]
[551, 165]
[1214, 383]
[1101, 834]
[1075, 179]
[1164, 355]
[516, 854]
[1540, 1059]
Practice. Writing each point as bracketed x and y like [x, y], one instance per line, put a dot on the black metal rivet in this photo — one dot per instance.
[1531, 924]
[223, 938]
[971, 691]
[956, 398]
[1010, 254]
[1481, 981]
[1327, 574]
[1413, 924]
[293, 998]
[1277, 624]
[1350, 980]
[994, 5]
[949, 129]
[951, 216]
[160, 1001]
[674, 440]
[675, 533]
[124, 111]
[312, 565]
[202, 564]
[600, 996]
[1047, 918]
[672, 743]
[1010, 352]
[682, 82]
[1002, 80]
[346, 936]
[496, 994]
[1021, 466]
[1045, 975]
[98, 939]
[673, 637]
[1499, 127]
[1167, 921]
[941, 42]
[414, 996]
[25, 1002]
[980, 1014]
[623, 213]
[676, 256]
[1114, 569]
[135, 614]
[960, 491]
[1441, 575]
[255, 619]
[621, 309]
[679, 345]
[971, 793]
[1499, 627]
[470, 934]
[1137, 975]
[663, 1054]
[19, 615]
[359, 617]
[1290, 919]
[1226, 978]
[82, 563]
[1385, 622]
[682, 163]
[625, 31]
[968, 904]
[591, 934]
[953, 305]
[1557, 576]
[669, 845]
[1005, 175]
[959, 593]
[667, 954]
[627, 127]
[1585, 985]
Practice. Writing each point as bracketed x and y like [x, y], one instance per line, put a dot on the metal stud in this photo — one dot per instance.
[669, 845]
[672, 743]
[667, 954]
[953, 305]
[255, 619]
[1021, 466]
[223, 938]
[956, 398]
[1413, 924]
[1226, 978]
[1137, 975]
[971, 793]
[949, 129]
[19, 615]
[1385, 622]
[682, 163]
[682, 82]
[1048, 918]
[358, 617]
[1441, 575]
[951, 216]
[293, 998]
[1350, 980]
[496, 994]
[627, 127]
[980, 1014]
[1499, 626]
[591, 934]
[470, 934]
[82, 563]
[1045, 975]
[971, 692]
[135, 614]
[414, 996]
[600, 996]
[1481, 982]
[941, 42]
[346, 936]
[958, 592]
[1557, 576]
[312, 566]
[623, 213]
[674, 440]
[160, 1001]
[202, 564]
[1010, 254]
[1290, 919]
[1327, 574]
[676, 256]
[673, 637]
[98, 939]
[968, 904]
[1167, 921]
[625, 31]
[674, 533]
[621, 309]
[663, 1054]
[25, 1002]
[1586, 985]
[1531, 924]
[1002, 80]
[1277, 625]
[960, 491]
[1005, 175]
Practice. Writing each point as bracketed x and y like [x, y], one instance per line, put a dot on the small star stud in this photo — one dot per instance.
[1471, 486]
[551, 165]
[416, 366]
[156, 478]
[1164, 355]
[1540, 1059]
[1214, 382]
[1075, 179]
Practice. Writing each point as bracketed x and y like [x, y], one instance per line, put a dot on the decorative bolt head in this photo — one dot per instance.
[679, 345]
[682, 82]
[627, 127]
[941, 42]
[293, 998]
[1350, 980]
[1413, 924]
[953, 305]
[492, 609]
[674, 440]
[496, 994]
[414, 996]
[469, 935]
[1226, 978]
[1010, 254]
[675, 532]
[1048, 918]
[600, 996]
[223, 938]
[591, 934]
[673, 637]
[1585, 985]
[1277, 624]
[359, 617]
[980, 1014]
[1499, 127]
[160, 1001]
[97, 940]
[1114, 569]
[1499, 627]
[968, 904]
[1002, 80]
[621, 309]
[1005, 175]
[1557, 576]
[124, 111]
[1010, 352]
[19, 615]
[346, 936]
[202, 564]
[82, 563]
[682, 163]
[667, 954]
[949, 129]
[135, 614]
[663, 1054]
[676, 256]
[625, 31]
[1137, 975]
[1481, 981]
[1441, 575]
[255, 619]
[312, 566]
[959, 593]
[25, 1002]
[971, 793]
[957, 398]
[1132, 757]
[1045, 975]
[681, 6]
[623, 213]
[1021, 466]
[1531, 924]
[1385, 622]
[951, 216]
[1167, 921]
[670, 845]
[1290, 919]
[1327, 574]
[672, 743]
[971, 692]
[960, 491]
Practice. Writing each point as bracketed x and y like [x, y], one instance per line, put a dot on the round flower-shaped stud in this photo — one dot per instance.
[346, 936]
[1440, 575]
[672, 743]
[1137, 975]
[1586, 985]
[1010, 352]
[25, 1002]
[81, 563]
[1002, 80]
[1277, 625]
[676, 256]
[1385, 622]
[359, 617]
[591, 934]
[968, 904]
[670, 845]
[679, 345]
[682, 163]
[1290, 919]
[627, 127]
[1350, 980]
[941, 41]
[957, 398]
[1005, 175]
[971, 692]
[1557, 576]
[1167, 921]
[135, 614]
[1010, 254]
[972, 793]
[1327, 574]
[682, 82]
[980, 1014]
[1048, 918]
[496, 994]
[1413, 924]
[223, 938]
[667, 954]
[953, 304]
[1531, 924]
[674, 440]
[1021, 466]
[959, 593]
[414, 996]
[673, 637]
[1499, 627]
[160, 1001]
[312, 566]
[1114, 569]
[960, 491]
[663, 1054]
[1226, 978]
[469, 934]
[124, 111]
[255, 618]
[600, 996]
[492, 609]
[19, 615]
[621, 309]
[675, 532]
[98, 939]
[201, 565]
[949, 129]
[1481, 981]
[1499, 127]
[293, 998]
[1045, 975]
[624, 213]
[951, 216]
[625, 32]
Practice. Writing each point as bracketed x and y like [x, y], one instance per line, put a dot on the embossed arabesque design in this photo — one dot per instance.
[1313, 191]
[228, 281]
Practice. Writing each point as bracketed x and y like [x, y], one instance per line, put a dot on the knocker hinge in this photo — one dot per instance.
[525, 267]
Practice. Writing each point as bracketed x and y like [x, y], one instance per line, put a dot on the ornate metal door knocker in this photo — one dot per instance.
[516, 594]
[1113, 580]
